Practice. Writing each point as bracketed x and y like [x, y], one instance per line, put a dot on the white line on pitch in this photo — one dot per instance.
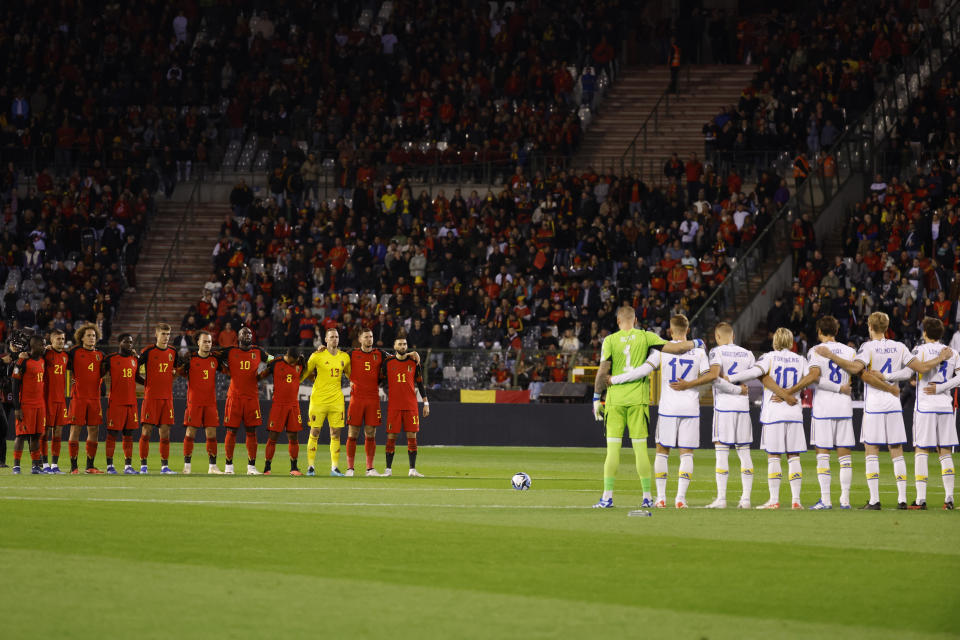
[302, 504]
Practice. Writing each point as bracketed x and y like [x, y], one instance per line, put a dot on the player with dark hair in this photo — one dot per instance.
[29, 404]
[241, 363]
[157, 363]
[403, 378]
[200, 370]
[84, 362]
[285, 411]
[122, 408]
[55, 390]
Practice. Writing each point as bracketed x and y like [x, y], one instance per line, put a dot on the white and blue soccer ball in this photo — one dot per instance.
[520, 481]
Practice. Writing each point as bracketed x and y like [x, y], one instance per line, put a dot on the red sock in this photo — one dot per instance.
[411, 446]
[187, 446]
[35, 454]
[251, 442]
[294, 448]
[74, 448]
[43, 445]
[370, 448]
[17, 455]
[91, 449]
[229, 443]
[127, 446]
[351, 451]
[164, 448]
[111, 444]
[55, 445]
[391, 445]
[144, 446]
[271, 448]
[212, 447]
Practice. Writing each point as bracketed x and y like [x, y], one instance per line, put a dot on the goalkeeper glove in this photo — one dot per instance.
[697, 343]
[597, 408]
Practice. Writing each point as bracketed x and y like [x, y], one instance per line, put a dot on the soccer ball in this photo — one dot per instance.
[520, 481]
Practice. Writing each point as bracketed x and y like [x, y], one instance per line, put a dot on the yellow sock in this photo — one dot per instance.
[334, 452]
[311, 450]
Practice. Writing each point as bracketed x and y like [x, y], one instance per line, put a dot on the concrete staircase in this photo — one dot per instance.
[194, 266]
[632, 99]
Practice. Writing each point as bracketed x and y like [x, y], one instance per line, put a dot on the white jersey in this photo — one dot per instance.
[938, 402]
[883, 356]
[686, 366]
[831, 405]
[786, 368]
[732, 360]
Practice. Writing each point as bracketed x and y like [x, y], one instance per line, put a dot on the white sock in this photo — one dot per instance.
[660, 470]
[871, 466]
[846, 478]
[686, 473]
[823, 475]
[946, 473]
[723, 470]
[774, 475]
[746, 471]
[920, 471]
[900, 473]
[796, 478]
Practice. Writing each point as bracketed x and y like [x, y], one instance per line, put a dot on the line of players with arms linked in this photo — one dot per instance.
[40, 378]
[627, 360]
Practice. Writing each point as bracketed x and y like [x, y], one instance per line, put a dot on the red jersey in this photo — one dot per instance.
[30, 374]
[365, 374]
[286, 381]
[403, 377]
[85, 365]
[123, 378]
[55, 377]
[241, 365]
[201, 375]
[158, 365]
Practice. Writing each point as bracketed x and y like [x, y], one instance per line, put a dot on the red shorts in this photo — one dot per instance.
[86, 412]
[361, 411]
[403, 420]
[34, 421]
[285, 417]
[242, 409]
[157, 412]
[201, 416]
[57, 414]
[122, 417]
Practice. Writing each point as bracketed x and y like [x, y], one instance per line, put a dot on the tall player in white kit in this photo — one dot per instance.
[934, 419]
[882, 411]
[782, 421]
[831, 422]
[678, 416]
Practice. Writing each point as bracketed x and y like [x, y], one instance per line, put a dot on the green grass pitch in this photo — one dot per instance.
[459, 554]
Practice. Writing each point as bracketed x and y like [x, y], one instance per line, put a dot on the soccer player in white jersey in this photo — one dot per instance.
[882, 411]
[934, 419]
[678, 417]
[782, 421]
[731, 414]
[831, 422]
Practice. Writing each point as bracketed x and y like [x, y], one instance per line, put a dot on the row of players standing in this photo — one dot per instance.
[41, 409]
[880, 362]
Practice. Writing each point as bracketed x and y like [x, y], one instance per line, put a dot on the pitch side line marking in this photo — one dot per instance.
[301, 504]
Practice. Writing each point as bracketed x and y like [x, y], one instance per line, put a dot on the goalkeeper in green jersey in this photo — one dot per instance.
[628, 405]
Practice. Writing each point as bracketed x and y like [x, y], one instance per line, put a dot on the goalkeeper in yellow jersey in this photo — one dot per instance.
[326, 401]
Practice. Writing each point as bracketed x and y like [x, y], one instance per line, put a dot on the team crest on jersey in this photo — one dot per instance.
[170, 357]
[97, 356]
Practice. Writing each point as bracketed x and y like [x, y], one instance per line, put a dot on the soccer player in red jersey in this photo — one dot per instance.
[29, 404]
[55, 385]
[285, 412]
[158, 362]
[200, 370]
[85, 408]
[364, 408]
[122, 407]
[243, 397]
[403, 378]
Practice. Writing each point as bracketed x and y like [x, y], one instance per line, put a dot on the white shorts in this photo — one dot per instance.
[783, 437]
[830, 433]
[934, 430]
[883, 429]
[678, 432]
[732, 428]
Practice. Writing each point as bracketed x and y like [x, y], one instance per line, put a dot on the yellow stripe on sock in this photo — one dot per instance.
[823, 471]
[796, 476]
